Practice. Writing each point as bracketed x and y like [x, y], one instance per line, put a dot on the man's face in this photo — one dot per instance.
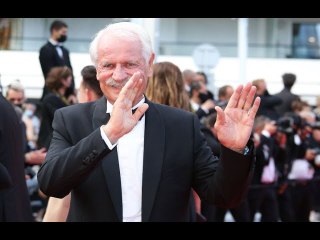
[58, 35]
[15, 97]
[118, 60]
[229, 93]
[200, 78]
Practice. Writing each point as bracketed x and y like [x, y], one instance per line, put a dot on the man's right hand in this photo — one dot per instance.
[36, 157]
[122, 120]
[207, 105]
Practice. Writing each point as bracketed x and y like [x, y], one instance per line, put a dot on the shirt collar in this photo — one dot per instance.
[110, 106]
[266, 133]
[54, 42]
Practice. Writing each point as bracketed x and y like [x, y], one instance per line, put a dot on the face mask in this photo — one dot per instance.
[62, 38]
[28, 113]
[18, 105]
[203, 97]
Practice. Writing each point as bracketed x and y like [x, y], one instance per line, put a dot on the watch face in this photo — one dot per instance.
[246, 151]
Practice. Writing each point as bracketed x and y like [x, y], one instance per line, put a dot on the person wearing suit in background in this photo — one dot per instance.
[58, 81]
[286, 95]
[54, 54]
[141, 166]
[89, 90]
[14, 197]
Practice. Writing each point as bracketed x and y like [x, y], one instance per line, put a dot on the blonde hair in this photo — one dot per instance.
[166, 86]
[56, 74]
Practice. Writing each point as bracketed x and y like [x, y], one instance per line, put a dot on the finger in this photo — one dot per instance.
[127, 92]
[253, 111]
[140, 111]
[139, 88]
[132, 81]
[243, 95]
[220, 115]
[43, 149]
[250, 98]
[235, 97]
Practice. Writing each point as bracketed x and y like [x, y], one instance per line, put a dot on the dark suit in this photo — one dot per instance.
[50, 58]
[262, 197]
[14, 197]
[267, 106]
[176, 158]
[287, 98]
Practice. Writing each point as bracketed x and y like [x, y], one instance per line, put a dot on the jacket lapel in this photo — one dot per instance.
[154, 139]
[100, 115]
[110, 163]
[110, 166]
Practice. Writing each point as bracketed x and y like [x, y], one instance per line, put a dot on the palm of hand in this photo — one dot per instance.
[122, 117]
[236, 128]
[234, 124]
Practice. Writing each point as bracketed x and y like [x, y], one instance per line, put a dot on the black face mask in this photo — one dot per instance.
[203, 97]
[62, 38]
[18, 105]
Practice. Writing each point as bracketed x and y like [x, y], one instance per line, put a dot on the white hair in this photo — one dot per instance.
[16, 86]
[126, 30]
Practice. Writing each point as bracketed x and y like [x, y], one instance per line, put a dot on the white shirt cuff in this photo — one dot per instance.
[205, 110]
[106, 140]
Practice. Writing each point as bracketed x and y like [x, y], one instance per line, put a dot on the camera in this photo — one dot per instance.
[316, 150]
[317, 157]
[285, 125]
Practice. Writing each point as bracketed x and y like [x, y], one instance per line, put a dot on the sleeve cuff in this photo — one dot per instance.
[106, 140]
[205, 110]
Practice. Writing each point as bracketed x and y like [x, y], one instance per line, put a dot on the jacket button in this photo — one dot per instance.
[86, 161]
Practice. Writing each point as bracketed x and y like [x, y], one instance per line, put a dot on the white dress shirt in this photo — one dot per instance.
[58, 47]
[130, 155]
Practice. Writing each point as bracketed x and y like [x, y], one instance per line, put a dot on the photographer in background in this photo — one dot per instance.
[290, 147]
[313, 144]
[268, 102]
[200, 102]
[298, 171]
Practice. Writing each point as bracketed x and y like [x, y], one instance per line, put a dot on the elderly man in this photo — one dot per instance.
[124, 165]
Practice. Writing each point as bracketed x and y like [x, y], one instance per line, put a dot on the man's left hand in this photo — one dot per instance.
[234, 124]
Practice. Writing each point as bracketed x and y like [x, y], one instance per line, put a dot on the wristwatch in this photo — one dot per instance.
[246, 151]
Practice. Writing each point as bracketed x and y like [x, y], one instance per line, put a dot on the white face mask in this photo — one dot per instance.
[28, 113]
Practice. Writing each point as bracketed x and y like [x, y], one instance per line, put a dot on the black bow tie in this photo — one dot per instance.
[133, 111]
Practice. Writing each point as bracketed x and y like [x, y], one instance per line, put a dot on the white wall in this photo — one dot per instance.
[25, 66]
[168, 29]
[36, 31]
[221, 30]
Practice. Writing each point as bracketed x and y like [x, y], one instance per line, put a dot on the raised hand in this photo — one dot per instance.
[122, 120]
[234, 124]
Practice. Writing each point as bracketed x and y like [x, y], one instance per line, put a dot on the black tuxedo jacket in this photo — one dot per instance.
[287, 98]
[14, 197]
[176, 158]
[50, 58]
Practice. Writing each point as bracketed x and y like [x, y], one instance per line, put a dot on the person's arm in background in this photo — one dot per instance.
[57, 209]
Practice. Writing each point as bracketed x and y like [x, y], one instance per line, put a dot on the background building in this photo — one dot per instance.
[275, 46]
